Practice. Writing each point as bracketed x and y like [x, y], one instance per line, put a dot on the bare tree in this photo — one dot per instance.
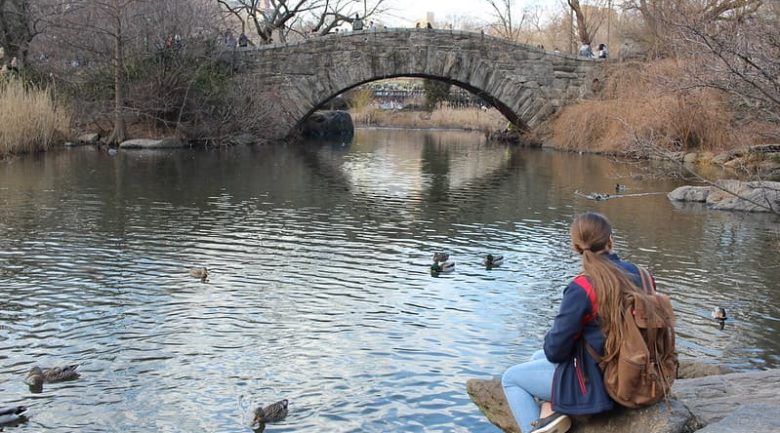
[582, 22]
[507, 24]
[20, 22]
[739, 56]
[659, 16]
[280, 16]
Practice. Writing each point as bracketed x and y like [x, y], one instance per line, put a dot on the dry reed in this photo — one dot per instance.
[642, 102]
[30, 119]
[445, 117]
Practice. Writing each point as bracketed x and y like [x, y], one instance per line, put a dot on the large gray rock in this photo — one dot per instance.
[490, 399]
[146, 143]
[713, 398]
[750, 196]
[690, 193]
[757, 196]
[335, 125]
[673, 417]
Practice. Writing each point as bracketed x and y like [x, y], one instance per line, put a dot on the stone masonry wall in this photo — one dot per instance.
[525, 83]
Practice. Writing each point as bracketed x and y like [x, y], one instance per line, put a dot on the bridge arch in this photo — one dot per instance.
[524, 83]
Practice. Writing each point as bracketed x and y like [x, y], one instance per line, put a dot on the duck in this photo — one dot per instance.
[442, 267]
[200, 273]
[272, 413]
[598, 196]
[619, 187]
[37, 376]
[12, 415]
[719, 313]
[493, 261]
[440, 257]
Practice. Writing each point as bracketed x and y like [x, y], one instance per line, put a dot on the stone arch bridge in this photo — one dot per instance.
[526, 84]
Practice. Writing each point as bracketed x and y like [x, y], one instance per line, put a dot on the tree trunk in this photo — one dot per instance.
[16, 30]
[119, 134]
[582, 27]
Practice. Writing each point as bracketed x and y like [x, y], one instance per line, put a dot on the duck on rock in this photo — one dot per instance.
[38, 376]
[272, 413]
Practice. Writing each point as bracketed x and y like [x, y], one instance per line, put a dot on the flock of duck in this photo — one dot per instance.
[37, 376]
[262, 415]
[443, 265]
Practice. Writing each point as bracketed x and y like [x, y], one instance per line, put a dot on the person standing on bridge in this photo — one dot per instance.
[586, 51]
[564, 376]
[602, 52]
[357, 23]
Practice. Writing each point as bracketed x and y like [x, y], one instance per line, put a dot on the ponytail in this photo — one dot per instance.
[591, 235]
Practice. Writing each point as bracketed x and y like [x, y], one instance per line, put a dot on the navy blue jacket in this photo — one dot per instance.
[578, 382]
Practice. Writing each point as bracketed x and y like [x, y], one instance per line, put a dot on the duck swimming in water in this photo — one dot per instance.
[619, 187]
[200, 273]
[440, 257]
[442, 268]
[493, 261]
[272, 413]
[38, 376]
[719, 314]
[12, 416]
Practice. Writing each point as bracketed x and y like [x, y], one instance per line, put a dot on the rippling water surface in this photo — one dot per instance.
[319, 289]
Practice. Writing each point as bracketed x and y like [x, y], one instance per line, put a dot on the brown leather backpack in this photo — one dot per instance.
[642, 371]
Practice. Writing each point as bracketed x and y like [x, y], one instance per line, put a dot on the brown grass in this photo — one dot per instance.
[445, 117]
[30, 120]
[641, 102]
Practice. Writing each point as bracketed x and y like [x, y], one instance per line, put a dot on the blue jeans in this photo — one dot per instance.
[525, 381]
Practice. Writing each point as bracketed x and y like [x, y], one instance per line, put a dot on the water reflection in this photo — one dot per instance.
[319, 288]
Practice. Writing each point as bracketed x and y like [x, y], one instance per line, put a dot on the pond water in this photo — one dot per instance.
[320, 290]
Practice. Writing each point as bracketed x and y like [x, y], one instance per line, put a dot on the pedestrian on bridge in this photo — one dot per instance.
[357, 23]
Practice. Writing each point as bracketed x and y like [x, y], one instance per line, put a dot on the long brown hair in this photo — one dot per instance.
[591, 236]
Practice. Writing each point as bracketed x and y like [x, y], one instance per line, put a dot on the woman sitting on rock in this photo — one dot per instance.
[564, 376]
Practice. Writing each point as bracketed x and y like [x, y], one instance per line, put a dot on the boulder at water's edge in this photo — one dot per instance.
[673, 417]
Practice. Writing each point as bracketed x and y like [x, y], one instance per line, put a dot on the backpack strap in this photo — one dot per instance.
[647, 285]
[647, 281]
[583, 282]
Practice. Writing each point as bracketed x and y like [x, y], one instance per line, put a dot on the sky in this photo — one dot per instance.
[408, 11]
